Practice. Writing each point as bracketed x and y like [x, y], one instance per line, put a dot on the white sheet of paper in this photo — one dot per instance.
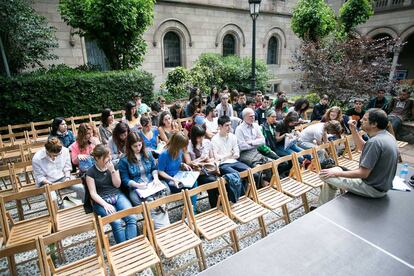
[150, 190]
[290, 141]
[188, 178]
[398, 184]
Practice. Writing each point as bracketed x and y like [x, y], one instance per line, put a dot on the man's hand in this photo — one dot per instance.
[328, 173]
[352, 125]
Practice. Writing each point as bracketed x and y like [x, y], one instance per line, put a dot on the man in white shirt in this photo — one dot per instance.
[249, 138]
[211, 119]
[224, 108]
[225, 148]
[52, 164]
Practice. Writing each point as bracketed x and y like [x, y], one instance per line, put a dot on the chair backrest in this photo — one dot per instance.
[261, 168]
[294, 171]
[48, 266]
[347, 149]
[204, 188]
[315, 162]
[11, 153]
[16, 170]
[19, 196]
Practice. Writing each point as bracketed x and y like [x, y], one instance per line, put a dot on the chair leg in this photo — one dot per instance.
[200, 257]
[286, 214]
[305, 203]
[12, 265]
[262, 225]
[159, 269]
[235, 241]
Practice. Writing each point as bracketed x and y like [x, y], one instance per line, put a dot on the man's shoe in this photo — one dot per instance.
[312, 208]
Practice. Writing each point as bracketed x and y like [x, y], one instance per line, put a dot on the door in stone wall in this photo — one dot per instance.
[95, 55]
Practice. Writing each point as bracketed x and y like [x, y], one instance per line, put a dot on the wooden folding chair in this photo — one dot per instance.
[309, 175]
[215, 222]
[40, 131]
[178, 237]
[22, 177]
[356, 153]
[17, 133]
[11, 251]
[67, 217]
[28, 150]
[346, 159]
[246, 209]
[134, 255]
[5, 179]
[11, 153]
[271, 196]
[24, 231]
[291, 184]
[91, 265]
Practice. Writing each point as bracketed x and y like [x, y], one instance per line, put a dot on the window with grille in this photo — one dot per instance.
[172, 50]
[272, 51]
[229, 45]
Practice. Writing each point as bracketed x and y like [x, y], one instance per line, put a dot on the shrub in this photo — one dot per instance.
[177, 84]
[43, 95]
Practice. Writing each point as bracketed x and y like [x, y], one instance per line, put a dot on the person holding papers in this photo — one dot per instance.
[286, 138]
[170, 162]
[139, 175]
[104, 184]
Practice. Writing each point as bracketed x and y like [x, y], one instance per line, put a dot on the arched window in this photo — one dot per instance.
[229, 45]
[172, 50]
[272, 51]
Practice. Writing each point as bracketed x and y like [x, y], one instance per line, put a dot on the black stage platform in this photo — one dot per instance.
[350, 235]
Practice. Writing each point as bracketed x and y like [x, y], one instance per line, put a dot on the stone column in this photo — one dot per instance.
[397, 51]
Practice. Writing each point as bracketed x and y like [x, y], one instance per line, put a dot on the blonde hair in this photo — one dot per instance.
[177, 142]
[327, 118]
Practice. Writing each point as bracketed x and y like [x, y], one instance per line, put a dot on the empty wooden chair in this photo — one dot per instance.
[215, 222]
[22, 177]
[246, 209]
[90, 265]
[25, 230]
[309, 175]
[291, 184]
[345, 160]
[178, 237]
[271, 196]
[67, 217]
[11, 153]
[134, 255]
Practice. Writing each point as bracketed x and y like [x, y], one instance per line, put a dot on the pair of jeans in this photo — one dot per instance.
[213, 193]
[395, 122]
[281, 151]
[237, 167]
[131, 229]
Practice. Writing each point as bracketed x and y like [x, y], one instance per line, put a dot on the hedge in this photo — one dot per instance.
[43, 96]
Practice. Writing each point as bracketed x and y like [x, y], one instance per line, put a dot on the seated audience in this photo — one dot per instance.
[131, 117]
[138, 168]
[60, 130]
[258, 98]
[194, 106]
[200, 157]
[84, 144]
[104, 183]
[377, 166]
[239, 105]
[320, 108]
[140, 106]
[107, 125]
[250, 103]
[356, 113]
[211, 119]
[261, 111]
[52, 164]
[400, 109]
[170, 162]
[149, 134]
[117, 143]
[155, 112]
[281, 108]
[195, 92]
[379, 101]
[224, 107]
[214, 96]
[167, 127]
[300, 106]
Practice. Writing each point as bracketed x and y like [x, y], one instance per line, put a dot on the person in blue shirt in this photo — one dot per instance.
[170, 162]
[137, 169]
[149, 133]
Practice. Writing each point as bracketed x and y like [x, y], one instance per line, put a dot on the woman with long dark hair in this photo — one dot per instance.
[149, 134]
[194, 106]
[167, 127]
[214, 96]
[131, 117]
[117, 143]
[60, 130]
[138, 169]
[300, 106]
[107, 125]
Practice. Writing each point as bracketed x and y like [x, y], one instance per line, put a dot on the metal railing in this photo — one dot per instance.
[383, 5]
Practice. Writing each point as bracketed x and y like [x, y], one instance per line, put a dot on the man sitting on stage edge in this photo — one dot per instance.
[377, 165]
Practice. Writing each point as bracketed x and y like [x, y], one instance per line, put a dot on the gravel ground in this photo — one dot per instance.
[88, 248]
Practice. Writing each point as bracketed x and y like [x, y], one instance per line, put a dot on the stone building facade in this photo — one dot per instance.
[183, 29]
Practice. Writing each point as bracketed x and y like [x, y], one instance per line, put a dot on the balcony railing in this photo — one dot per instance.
[383, 5]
